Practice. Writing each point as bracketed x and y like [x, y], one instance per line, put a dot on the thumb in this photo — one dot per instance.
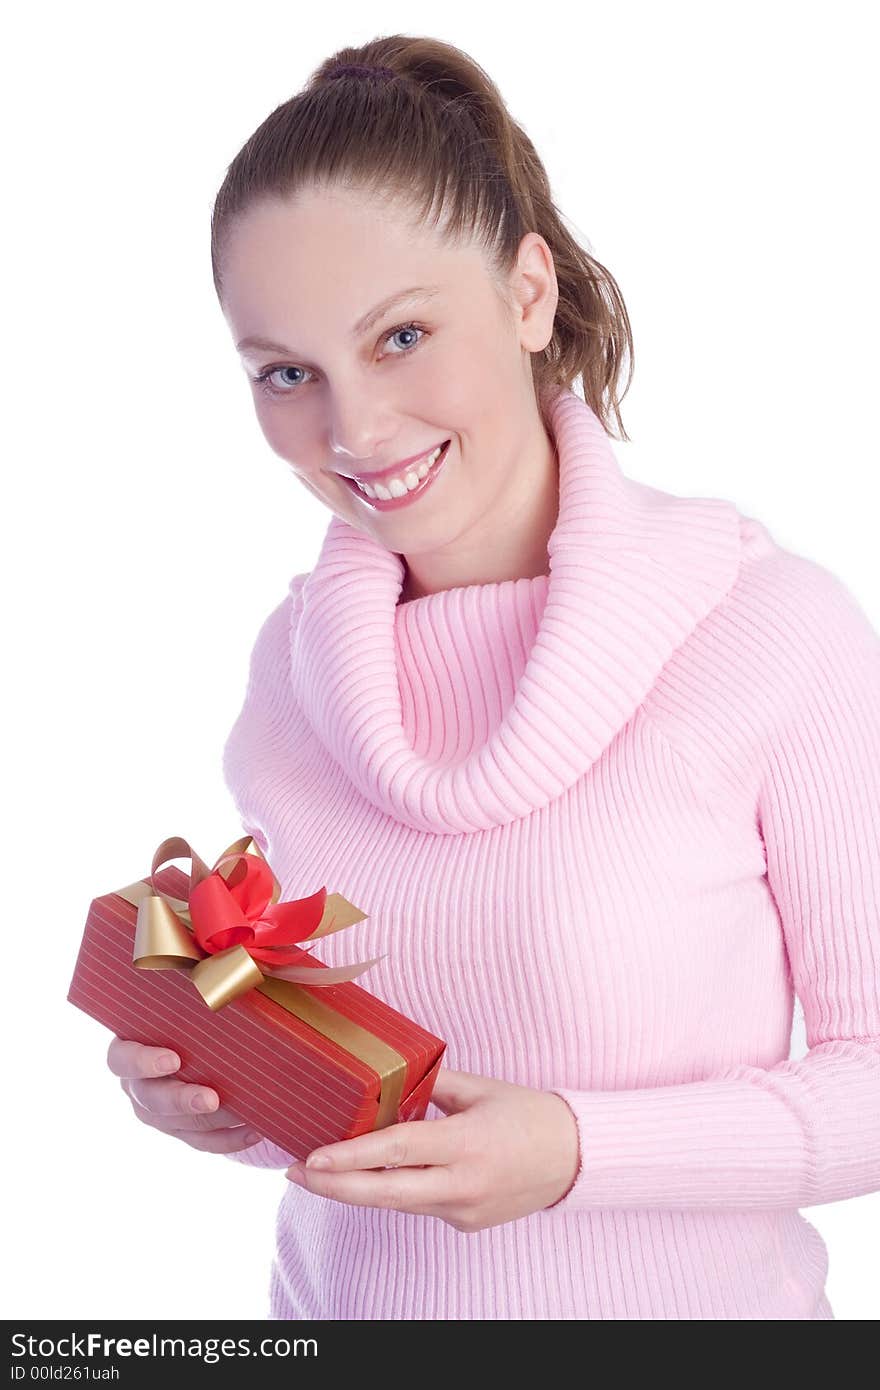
[455, 1090]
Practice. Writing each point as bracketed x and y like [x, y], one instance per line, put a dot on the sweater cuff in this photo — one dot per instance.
[697, 1144]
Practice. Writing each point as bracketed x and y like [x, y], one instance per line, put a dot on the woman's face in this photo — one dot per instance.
[447, 365]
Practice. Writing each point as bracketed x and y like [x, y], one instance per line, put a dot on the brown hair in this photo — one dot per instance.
[438, 136]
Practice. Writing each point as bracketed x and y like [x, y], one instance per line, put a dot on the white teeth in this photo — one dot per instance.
[397, 487]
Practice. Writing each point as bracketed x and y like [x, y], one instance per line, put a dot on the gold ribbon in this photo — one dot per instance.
[165, 939]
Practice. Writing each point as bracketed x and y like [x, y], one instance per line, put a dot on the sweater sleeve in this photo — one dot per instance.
[247, 758]
[806, 1131]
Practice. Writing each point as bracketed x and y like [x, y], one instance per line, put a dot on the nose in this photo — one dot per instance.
[355, 430]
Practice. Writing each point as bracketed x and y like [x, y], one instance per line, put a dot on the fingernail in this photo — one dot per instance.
[252, 1138]
[317, 1161]
[168, 1062]
[203, 1102]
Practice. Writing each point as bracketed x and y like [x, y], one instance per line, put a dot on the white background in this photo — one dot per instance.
[717, 158]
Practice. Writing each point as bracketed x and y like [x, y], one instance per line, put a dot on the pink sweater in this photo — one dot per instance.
[605, 822]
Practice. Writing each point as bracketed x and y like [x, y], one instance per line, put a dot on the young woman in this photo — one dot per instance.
[601, 763]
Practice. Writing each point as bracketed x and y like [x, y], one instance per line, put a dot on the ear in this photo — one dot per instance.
[536, 292]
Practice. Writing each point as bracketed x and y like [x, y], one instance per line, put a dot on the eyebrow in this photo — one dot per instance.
[362, 326]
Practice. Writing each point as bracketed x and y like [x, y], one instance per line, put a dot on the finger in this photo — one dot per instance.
[453, 1090]
[173, 1098]
[223, 1141]
[410, 1144]
[193, 1127]
[424, 1191]
[142, 1095]
[131, 1059]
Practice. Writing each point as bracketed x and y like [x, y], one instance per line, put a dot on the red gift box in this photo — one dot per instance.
[305, 1065]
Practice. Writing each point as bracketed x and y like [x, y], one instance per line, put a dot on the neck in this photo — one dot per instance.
[509, 542]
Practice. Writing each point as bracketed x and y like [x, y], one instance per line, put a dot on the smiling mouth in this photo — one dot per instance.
[388, 494]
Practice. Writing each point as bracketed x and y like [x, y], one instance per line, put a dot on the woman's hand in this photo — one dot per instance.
[174, 1107]
[500, 1152]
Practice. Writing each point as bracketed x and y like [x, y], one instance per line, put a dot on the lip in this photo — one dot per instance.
[393, 503]
[393, 468]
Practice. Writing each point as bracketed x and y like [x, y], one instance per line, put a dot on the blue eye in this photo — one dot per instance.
[265, 377]
[264, 380]
[405, 328]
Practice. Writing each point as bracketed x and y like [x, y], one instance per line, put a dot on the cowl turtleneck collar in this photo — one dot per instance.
[632, 571]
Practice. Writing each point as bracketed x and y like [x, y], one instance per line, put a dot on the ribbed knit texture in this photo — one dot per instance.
[604, 822]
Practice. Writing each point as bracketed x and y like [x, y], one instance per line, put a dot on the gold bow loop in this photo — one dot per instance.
[238, 900]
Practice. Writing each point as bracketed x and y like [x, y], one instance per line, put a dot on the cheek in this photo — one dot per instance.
[292, 444]
[441, 393]
[457, 392]
[278, 435]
